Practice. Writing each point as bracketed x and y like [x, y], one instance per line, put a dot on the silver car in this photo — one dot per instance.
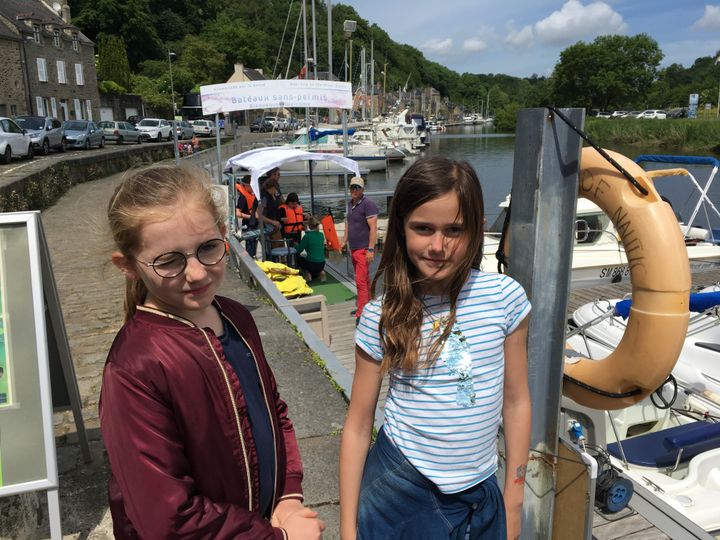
[184, 130]
[14, 141]
[120, 132]
[83, 134]
[45, 133]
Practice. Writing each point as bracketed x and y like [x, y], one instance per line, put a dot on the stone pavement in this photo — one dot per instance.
[91, 294]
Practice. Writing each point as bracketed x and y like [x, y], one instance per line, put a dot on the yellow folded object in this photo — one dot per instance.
[286, 279]
[276, 268]
[293, 286]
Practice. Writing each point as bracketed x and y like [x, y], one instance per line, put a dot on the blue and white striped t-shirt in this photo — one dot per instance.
[450, 440]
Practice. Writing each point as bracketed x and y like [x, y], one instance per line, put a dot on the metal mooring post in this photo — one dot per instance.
[542, 228]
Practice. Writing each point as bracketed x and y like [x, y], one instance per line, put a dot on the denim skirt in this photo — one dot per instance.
[397, 502]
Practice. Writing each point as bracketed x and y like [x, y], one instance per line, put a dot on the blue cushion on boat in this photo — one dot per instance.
[661, 448]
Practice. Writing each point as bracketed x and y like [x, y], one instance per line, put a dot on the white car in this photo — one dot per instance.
[654, 113]
[156, 129]
[14, 141]
[204, 128]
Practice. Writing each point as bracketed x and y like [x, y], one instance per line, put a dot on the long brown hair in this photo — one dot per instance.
[402, 307]
[151, 195]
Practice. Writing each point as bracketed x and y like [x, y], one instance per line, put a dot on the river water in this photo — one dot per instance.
[492, 155]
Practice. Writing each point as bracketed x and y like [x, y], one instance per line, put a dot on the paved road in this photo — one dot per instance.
[91, 294]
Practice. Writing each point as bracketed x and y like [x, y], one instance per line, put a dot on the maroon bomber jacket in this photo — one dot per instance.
[174, 423]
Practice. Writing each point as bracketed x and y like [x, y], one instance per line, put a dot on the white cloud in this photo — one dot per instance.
[438, 46]
[474, 45]
[519, 38]
[576, 21]
[710, 19]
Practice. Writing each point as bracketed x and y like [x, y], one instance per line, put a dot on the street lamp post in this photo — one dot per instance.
[349, 27]
[172, 88]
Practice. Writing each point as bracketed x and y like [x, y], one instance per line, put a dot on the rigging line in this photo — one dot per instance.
[292, 49]
[602, 152]
[282, 39]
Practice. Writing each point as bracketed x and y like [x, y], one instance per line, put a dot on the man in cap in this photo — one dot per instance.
[360, 237]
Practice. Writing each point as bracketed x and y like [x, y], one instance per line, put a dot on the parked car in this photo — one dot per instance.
[204, 128]
[45, 132]
[679, 112]
[634, 114]
[134, 119]
[603, 114]
[83, 134]
[618, 114]
[156, 129]
[261, 125]
[184, 130]
[654, 113]
[278, 122]
[121, 132]
[14, 141]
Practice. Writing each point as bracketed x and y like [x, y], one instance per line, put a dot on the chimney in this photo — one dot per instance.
[65, 12]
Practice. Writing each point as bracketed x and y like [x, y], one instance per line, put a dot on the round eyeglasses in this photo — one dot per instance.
[173, 263]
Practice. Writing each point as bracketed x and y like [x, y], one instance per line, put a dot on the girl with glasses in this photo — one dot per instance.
[453, 340]
[199, 441]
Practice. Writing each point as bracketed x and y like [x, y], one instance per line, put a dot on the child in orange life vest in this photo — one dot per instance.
[246, 212]
[291, 217]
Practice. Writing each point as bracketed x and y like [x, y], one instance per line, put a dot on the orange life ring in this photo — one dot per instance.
[660, 278]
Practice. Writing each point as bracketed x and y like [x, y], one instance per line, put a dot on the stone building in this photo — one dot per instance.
[56, 75]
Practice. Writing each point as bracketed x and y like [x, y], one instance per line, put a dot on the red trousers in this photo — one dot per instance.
[362, 278]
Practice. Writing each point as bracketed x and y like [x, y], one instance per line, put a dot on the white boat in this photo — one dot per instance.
[370, 157]
[599, 257]
[669, 442]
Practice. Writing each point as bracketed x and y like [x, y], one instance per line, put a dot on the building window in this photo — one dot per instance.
[88, 108]
[64, 109]
[36, 33]
[39, 105]
[56, 38]
[79, 75]
[62, 79]
[75, 44]
[53, 107]
[13, 110]
[78, 109]
[42, 71]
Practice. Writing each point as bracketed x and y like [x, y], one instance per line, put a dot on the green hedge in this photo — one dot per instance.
[699, 136]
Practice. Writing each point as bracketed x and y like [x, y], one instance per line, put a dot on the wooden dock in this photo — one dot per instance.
[626, 524]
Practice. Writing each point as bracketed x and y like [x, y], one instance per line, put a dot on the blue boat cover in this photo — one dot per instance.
[685, 160]
[661, 448]
[317, 134]
[699, 302]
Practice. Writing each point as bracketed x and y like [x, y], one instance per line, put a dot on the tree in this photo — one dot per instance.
[610, 71]
[113, 61]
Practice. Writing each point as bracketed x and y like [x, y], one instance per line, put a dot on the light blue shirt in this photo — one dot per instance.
[444, 418]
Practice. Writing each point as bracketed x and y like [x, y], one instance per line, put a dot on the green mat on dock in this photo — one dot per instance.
[334, 291]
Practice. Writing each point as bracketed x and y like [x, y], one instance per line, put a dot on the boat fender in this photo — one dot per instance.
[660, 279]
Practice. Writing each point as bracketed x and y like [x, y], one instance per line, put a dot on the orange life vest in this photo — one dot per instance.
[248, 194]
[294, 217]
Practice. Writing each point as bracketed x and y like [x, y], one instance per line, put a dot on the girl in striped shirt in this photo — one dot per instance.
[453, 341]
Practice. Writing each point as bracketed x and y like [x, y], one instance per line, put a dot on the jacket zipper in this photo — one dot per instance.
[237, 417]
[267, 406]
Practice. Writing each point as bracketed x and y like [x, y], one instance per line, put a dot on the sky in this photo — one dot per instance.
[525, 37]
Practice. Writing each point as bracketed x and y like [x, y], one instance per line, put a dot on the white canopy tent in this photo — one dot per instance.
[261, 160]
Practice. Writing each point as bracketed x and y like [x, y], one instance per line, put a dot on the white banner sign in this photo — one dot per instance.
[273, 94]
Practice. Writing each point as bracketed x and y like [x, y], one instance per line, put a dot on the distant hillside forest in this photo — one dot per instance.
[208, 37]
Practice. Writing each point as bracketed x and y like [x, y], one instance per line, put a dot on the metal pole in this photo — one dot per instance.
[345, 191]
[544, 194]
[172, 88]
[314, 39]
[329, 25]
[217, 146]
[175, 143]
[372, 79]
